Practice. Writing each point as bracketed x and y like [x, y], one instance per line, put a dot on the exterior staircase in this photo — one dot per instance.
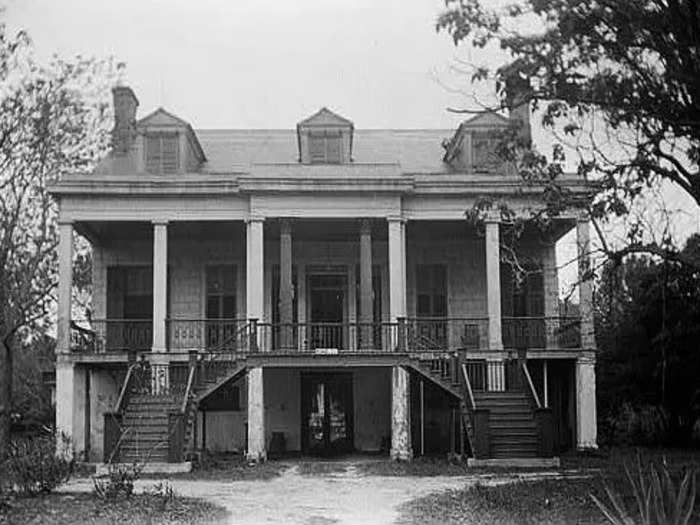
[513, 431]
[147, 423]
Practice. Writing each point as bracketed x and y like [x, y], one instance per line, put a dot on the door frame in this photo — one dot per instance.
[346, 379]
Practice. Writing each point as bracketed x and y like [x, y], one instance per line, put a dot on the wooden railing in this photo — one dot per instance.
[541, 332]
[111, 335]
[206, 334]
[443, 333]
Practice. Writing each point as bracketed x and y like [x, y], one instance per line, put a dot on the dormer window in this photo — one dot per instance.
[325, 138]
[325, 148]
[162, 153]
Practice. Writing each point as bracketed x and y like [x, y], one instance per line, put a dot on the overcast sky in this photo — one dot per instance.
[256, 64]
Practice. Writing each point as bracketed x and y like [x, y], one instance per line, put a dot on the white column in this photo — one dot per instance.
[493, 284]
[586, 422]
[70, 409]
[366, 313]
[286, 289]
[397, 268]
[254, 269]
[160, 283]
[550, 280]
[585, 285]
[400, 414]
[65, 284]
[256, 416]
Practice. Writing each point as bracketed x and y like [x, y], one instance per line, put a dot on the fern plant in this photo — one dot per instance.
[658, 500]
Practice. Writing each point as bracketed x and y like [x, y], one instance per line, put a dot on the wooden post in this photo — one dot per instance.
[366, 296]
[422, 419]
[286, 298]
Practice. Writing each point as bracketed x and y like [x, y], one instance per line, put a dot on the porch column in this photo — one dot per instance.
[397, 268]
[493, 283]
[65, 284]
[286, 290]
[585, 284]
[366, 316]
[159, 364]
[550, 281]
[254, 270]
[400, 415]
[256, 416]
[70, 408]
[586, 422]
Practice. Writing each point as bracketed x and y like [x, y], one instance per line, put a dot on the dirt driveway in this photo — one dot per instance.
[345, 496]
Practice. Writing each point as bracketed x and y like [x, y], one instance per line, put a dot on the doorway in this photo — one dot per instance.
[326, 413]
[327, 311]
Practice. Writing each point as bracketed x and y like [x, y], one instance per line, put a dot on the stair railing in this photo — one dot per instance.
[468, 387]
[179, 420]
[531, 385]
[475, 421]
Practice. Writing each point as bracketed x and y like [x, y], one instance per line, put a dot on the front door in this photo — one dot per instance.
[327, 294]
[326, 413]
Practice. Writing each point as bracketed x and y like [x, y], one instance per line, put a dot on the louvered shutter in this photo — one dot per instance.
[170, 158]
[153, 154]
[317, 149]
[333, 149]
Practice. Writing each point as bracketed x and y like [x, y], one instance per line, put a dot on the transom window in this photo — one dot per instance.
[162, 153]
[324, 148]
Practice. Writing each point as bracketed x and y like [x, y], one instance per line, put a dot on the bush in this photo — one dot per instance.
[637, 425]
[119, 482]
[33, 467]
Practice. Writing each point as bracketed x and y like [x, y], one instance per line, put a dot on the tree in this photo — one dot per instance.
[54, 120]
[617, 79]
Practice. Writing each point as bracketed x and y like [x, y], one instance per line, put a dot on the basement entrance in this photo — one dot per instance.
[326, 413]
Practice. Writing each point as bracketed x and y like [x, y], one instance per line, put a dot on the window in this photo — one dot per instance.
[325, 148]
[432, 290]
[130, 292]
[221, 292]
[484, 150]
[162, 153]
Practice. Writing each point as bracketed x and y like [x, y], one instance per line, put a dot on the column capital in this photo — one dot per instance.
[160, 222]
[365, 226]
[66, 222]
[396, 218]
[587, 358]
[582, 216]
[255, 218]
[285, 226]
[492, 217]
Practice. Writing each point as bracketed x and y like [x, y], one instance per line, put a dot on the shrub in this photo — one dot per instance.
[657, 499]
[33, 466]
[163, 494]
[638, 425]
[119, 482]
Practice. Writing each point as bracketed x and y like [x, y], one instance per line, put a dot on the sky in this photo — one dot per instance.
[257, 64]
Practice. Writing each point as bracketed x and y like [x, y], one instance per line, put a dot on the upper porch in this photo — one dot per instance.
[276, 286]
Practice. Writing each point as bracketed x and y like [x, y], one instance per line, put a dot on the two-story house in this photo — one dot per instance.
[315, 291]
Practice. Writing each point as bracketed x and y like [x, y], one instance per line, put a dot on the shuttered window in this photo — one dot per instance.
[162, 153]
[325, 148]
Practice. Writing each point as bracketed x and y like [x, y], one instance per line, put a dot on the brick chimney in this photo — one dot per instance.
[125, 105]
[517, 90]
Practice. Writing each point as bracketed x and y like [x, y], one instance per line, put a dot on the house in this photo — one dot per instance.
[315, 291]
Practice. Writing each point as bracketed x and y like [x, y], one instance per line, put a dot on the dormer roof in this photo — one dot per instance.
[324, 117]
[486, 120]
[161, 118]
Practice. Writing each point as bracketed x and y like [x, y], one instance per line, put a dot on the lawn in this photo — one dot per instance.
[548, 501]
[69, 509]
[227, 467]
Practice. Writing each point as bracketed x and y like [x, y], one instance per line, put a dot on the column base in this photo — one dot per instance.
[256, 457]
[401, 454]
[587, 447]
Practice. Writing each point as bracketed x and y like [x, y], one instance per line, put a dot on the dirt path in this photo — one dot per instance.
[340, 497]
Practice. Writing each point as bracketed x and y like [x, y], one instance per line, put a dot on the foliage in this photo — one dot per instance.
[119, 482]
[647, 326]
[657, 499]
[33, 467]
[54, 120]
[163, 494]
[617, 81]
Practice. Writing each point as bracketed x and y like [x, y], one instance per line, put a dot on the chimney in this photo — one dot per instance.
[517, 98]
[125, 104]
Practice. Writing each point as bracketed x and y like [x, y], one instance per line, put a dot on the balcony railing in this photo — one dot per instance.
[207, 334]
[439, 333]
[541, 332]
[328, 337]
[111, 335]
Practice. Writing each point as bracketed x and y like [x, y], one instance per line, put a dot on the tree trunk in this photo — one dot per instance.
[5, 396]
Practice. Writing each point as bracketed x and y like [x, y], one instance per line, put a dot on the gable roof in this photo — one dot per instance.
[325, 117]
[486, 119]
[161, 117]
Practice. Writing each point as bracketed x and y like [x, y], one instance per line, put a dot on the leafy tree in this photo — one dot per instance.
[617, 80]
[54, 119]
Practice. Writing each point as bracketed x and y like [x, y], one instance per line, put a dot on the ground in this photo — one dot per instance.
[359, 490]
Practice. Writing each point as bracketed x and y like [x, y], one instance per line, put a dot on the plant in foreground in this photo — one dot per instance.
[658, 500]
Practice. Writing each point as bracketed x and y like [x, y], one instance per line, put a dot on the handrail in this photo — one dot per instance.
[125, 387]
[469, 386]
[234, 337]
[188, 390]
[531, 384]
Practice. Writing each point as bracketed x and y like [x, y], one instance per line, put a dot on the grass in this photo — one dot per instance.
[547, 501]
[227, 467]
[419, 467]
[68, 509]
